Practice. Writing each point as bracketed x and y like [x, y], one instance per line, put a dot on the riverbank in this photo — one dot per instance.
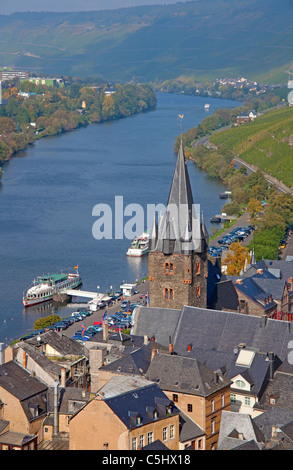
[51, 112]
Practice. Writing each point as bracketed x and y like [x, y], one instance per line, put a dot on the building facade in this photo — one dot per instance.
[178, 257]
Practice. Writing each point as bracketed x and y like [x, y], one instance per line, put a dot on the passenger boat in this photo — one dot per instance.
[45, 286]
[139, 245]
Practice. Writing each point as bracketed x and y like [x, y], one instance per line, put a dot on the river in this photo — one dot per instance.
[48, 193]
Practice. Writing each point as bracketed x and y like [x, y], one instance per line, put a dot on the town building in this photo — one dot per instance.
[121, 419]
[178, 256]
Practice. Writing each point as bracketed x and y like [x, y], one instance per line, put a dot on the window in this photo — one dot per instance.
[213, 425]
[168, 293]
[141, 440]
[222, 400]
[175, 397]
[197, 291]
[199, 444]
[247, 401]
[197, 269]
[212, 406]
[134, 443]
[168, 268]
[272, 400]
[189, 407]
[150, 437]
[240, 383]
[172, 431]
[233, 398]
[165, 434]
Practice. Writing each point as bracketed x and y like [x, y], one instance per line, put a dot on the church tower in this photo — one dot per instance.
[178, 261]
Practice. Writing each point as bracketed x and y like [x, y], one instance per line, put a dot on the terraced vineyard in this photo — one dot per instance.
[267, 142]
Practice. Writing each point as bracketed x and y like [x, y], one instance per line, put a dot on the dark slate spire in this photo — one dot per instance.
[181, 229]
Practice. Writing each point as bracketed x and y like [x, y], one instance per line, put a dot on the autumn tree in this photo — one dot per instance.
[254, 207]
[236, 258]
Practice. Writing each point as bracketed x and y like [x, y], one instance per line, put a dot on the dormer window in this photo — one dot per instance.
[155, 414]
[240, 383]
[272, 400]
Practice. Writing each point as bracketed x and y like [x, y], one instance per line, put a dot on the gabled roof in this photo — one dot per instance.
[61, 343]
[237, 429]
[17, 381]
[184, 375]
[142, 403]
[250, 288]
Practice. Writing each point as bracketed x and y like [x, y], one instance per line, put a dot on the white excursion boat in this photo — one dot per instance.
[207, 106]
[44, 287]
[139, 245]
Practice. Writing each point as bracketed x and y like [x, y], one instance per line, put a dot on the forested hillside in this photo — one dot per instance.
[203, 39]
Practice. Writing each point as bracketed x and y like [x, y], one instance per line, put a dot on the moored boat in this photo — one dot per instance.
[44, 287]
[139, 245]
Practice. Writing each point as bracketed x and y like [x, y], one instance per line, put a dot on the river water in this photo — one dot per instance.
[48, 193]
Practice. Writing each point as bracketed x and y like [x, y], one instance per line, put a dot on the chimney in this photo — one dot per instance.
[271, 365]
[259, 271]
[63, 377]
[216, 377]
[105, 330]
[189, 347]
[24, 359]
[171, 346]
[56, 419]
[239, 281]
[145, 340]
[153, 354]
[2, 354]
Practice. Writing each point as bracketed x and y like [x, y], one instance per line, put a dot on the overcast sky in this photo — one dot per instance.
[12, 6]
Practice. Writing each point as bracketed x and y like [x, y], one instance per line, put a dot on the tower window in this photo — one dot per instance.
[197, 269]
[168, 268]
[168, 293]
[197, 291]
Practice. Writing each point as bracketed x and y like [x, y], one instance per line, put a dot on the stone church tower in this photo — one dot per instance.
[178, 265]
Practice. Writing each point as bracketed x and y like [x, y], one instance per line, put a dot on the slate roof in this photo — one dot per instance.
[134, 361]
[278, 268]
[141, 402]
[216, 333]
[237, 429]
[257, 374]
[258, 293]
[30, 392]
[275, 416]
[224, 296]
[70, 399]
[188, 429]
[184, 374]
[281, 388]
[61, 343]
[19, 382]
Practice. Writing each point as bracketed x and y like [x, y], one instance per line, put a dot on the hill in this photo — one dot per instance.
[267, 142]
[203, 39]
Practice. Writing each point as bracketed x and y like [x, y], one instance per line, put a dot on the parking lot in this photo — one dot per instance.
[240, 231]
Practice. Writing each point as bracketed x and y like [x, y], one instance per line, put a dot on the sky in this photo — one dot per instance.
[13, 6]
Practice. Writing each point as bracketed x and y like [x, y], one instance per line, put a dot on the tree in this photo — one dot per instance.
[254, 207]
[236, 258]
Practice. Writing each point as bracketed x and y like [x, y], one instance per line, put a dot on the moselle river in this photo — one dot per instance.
[48, 193]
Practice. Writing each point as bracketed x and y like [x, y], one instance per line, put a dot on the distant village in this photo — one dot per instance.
[206, 365]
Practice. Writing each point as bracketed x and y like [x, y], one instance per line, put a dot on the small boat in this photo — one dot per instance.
[44, 287]
[139, 245]
[207, 106]
[215, 220]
